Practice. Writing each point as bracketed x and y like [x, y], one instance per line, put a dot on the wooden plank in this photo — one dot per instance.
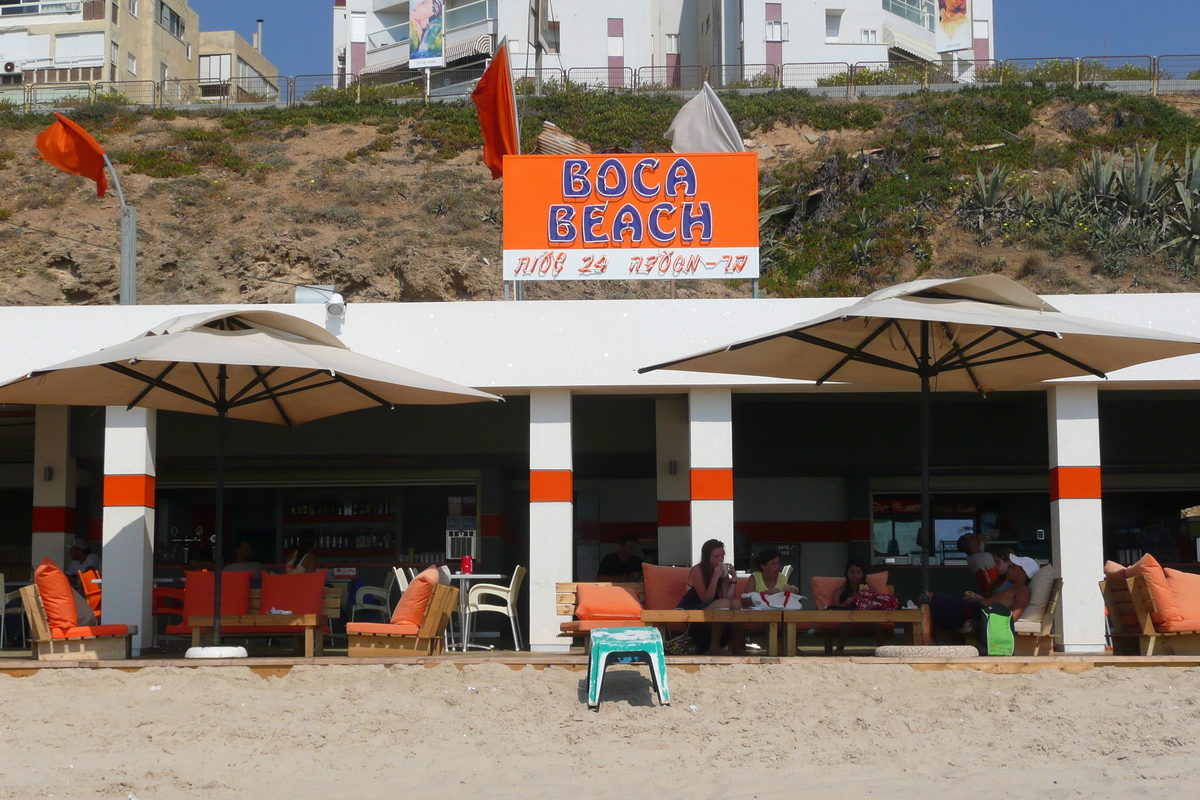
[909, 615]
[271, 620]
[709, 615]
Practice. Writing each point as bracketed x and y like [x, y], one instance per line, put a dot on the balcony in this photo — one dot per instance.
[26, 10]
[465, 26]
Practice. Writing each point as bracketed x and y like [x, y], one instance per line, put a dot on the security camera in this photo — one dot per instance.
[335, 306]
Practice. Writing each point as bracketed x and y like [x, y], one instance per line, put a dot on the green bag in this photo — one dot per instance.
[997, 634]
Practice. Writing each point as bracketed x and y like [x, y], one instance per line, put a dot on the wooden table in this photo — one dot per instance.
[770, 618]
[908, 618]
[310, 626]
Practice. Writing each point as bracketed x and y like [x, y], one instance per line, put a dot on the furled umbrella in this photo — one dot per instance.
[254, 365]
[970, 334]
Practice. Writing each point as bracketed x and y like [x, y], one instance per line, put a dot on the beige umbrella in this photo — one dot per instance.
[254, 365]
[970, 334]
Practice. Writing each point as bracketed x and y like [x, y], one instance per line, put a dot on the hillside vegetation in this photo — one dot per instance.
[1067, 190]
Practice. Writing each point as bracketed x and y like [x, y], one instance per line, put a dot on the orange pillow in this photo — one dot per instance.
[297, 592]
[198, 594]
[826, 591]
[1185, 586]
[1114, 571]
[57, 596]
[1164, 598]
[664, 586]
[415, 599]
[606, 602]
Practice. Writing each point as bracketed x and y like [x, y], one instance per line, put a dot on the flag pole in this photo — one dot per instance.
[128, 283]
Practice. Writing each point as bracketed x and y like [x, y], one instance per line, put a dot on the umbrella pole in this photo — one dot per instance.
[219, 538]
[926, 511]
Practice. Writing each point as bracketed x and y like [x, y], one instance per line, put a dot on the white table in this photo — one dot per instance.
[463, 579]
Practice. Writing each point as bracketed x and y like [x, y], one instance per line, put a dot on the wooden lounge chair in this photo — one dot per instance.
[370, 639]
[1036, 637]
[90, 643]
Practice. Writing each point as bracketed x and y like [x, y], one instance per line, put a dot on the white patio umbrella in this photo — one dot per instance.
[970, 334]
[254, 365]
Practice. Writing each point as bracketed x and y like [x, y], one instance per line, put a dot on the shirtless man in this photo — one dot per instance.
[1015, 596]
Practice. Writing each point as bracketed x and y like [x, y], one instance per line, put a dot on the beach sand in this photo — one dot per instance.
[801, 730]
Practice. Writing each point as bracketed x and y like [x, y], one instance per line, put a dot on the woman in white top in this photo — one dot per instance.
[303, 560]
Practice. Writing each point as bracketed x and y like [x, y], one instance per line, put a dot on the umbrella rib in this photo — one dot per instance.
[850, 356]
[262, 378]
[362, 390]
[207, 385]
[282, 389]
[146, 391]
[866, 358]
[157, 384]
[954, 348]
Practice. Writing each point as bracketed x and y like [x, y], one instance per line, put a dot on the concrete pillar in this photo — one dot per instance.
[710, 433]
[1076, 522]
[551, 513]
[53, 486]
[673, 471]
[129, 473]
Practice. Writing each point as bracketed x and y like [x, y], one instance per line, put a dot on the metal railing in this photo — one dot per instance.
[837, 80]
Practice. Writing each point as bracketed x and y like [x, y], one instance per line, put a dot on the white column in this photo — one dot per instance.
[53, 486]
[674, 481]
[128, 561]
[710, 432]
[551, 513]
[1076, 524]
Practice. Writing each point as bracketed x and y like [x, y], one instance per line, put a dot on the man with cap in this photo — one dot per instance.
[82, 557]
[949, 613]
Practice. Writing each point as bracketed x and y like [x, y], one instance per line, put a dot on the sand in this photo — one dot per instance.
[805, 730]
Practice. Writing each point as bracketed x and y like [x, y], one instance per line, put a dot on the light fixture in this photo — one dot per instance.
[47, 474]
[673, 467]
[335, 306]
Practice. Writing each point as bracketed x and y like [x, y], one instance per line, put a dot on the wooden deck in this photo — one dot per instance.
[18, 665]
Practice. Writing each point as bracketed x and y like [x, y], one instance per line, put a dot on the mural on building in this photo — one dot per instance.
[953, 30]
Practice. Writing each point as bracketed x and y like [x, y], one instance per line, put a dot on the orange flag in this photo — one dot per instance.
[72, 149]
[497, 106]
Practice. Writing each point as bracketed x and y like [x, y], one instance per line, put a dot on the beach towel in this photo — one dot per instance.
[780, 601]
[997, 636]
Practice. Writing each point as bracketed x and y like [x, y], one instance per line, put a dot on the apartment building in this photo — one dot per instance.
[229, 65]
[372, 35]
[77, 41]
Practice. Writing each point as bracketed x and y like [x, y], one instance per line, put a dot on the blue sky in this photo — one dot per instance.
[298, 33]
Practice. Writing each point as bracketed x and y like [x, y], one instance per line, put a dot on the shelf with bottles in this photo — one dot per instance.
[344, 541]
[340, 510]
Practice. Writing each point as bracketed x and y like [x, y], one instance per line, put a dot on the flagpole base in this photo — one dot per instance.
[215, 652]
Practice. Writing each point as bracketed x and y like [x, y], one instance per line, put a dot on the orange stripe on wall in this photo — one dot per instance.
[53, 519]
[1074, 483]
[129, 490]
[712, 484]
[551, 486]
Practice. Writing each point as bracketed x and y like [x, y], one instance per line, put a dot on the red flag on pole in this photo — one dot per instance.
[72, 149]
[496, 103]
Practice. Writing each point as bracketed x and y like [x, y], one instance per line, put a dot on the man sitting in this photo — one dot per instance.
[242, 562]
[622, 566]
[82, 558]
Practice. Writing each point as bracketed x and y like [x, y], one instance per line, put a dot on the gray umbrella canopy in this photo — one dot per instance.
[970, 334]
[277, 368]
[252, 365]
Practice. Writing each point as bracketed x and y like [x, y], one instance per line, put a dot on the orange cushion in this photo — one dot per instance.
[1180, 626]
[665, 586]
[1185, 586]
[400, 629]
[198, 594]
[1114, 571]
[583, 625]
[57, 596]
[606, 602]
[827, 590]
[1164, 598]
[299, 592]
[90, 630]
[415, 600]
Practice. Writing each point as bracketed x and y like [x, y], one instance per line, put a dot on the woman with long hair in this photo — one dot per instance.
[712, 584]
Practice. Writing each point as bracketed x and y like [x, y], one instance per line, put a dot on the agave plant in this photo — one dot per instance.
[862, 222]
[1097, 178]
[1185, 223]
[860, 252]
[990, 194]
[1060, 203]
[766, 214]
[1142, 187]
[1189, 174]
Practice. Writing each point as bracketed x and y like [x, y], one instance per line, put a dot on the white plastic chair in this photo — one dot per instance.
[786, 572]
[361, 602]
[507, 594]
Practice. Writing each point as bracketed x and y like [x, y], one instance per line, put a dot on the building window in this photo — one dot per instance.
[870, 36]
[167, 17]
[777, 32]
[672, 44]
[833, 25]
[132, 7]
[114, 50]
[116, 9]
[131, 63]
[920, 12]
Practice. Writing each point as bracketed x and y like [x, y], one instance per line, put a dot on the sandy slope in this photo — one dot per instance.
[805, 730]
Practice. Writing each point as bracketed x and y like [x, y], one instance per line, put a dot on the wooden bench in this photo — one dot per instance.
[1040, 642]
[429, 640]
[908, 618]
[566, 600]
[47, 647]
[309, 628]
[1130, 602]
[772, 619]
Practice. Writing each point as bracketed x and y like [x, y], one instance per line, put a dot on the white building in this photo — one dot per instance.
[372, 35]
[585, 450]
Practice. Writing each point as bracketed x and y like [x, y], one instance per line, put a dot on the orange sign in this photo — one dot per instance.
[631, 217]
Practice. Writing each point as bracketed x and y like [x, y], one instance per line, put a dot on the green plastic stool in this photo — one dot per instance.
[627, 646]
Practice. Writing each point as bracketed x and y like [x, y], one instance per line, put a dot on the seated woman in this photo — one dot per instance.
[855, 583]
[951, 614]
[712, 584]
[766, 574]
[1000, 556]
